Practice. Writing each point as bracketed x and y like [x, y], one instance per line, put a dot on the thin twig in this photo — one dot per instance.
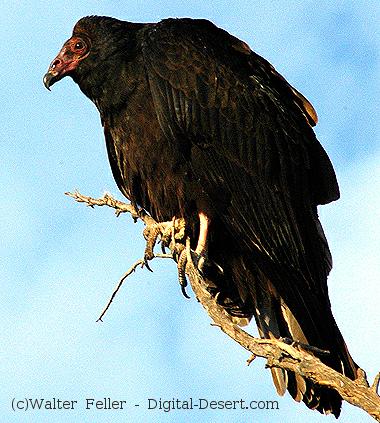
[251, 358]
[118, 286]
[140, 262]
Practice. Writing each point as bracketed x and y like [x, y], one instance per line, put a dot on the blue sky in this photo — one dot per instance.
[61, 260]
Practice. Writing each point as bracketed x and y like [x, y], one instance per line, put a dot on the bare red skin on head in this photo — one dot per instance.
[71, 54]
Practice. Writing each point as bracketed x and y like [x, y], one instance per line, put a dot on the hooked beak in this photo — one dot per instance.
[61, 66]
[49, 79]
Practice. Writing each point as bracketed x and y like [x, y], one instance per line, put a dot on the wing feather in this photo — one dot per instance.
[250, 135]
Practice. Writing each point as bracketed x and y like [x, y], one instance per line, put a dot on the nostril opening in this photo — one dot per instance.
[55, 64]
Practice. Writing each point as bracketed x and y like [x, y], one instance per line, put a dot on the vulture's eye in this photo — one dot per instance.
[79, 45]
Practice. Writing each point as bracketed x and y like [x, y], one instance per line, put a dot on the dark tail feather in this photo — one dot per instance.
[244, 291]
[275, 320]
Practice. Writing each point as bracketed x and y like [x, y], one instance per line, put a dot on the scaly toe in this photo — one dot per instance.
[151, 234]
[166, 238]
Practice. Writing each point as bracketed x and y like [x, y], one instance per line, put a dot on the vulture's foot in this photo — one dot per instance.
[170, 233]
[198, 261]
[198, 257]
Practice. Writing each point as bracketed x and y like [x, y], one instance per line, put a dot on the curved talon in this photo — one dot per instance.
[146, 264]
[150, 234]
[168, 234]
[181, 266]
[184, 293]
[166, 239]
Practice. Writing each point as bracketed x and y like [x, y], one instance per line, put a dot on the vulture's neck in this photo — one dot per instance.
[113, 78]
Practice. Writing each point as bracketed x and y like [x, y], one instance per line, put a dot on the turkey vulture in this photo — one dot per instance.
[198, 126]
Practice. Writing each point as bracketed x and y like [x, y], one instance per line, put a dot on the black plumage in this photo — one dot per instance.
[196, 122]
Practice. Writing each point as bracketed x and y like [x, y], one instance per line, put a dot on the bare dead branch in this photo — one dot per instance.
[119, 206]
[278, 353]
[285, 356]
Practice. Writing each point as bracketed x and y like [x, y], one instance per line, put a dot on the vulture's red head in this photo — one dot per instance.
[94, 40]
[73, 52]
